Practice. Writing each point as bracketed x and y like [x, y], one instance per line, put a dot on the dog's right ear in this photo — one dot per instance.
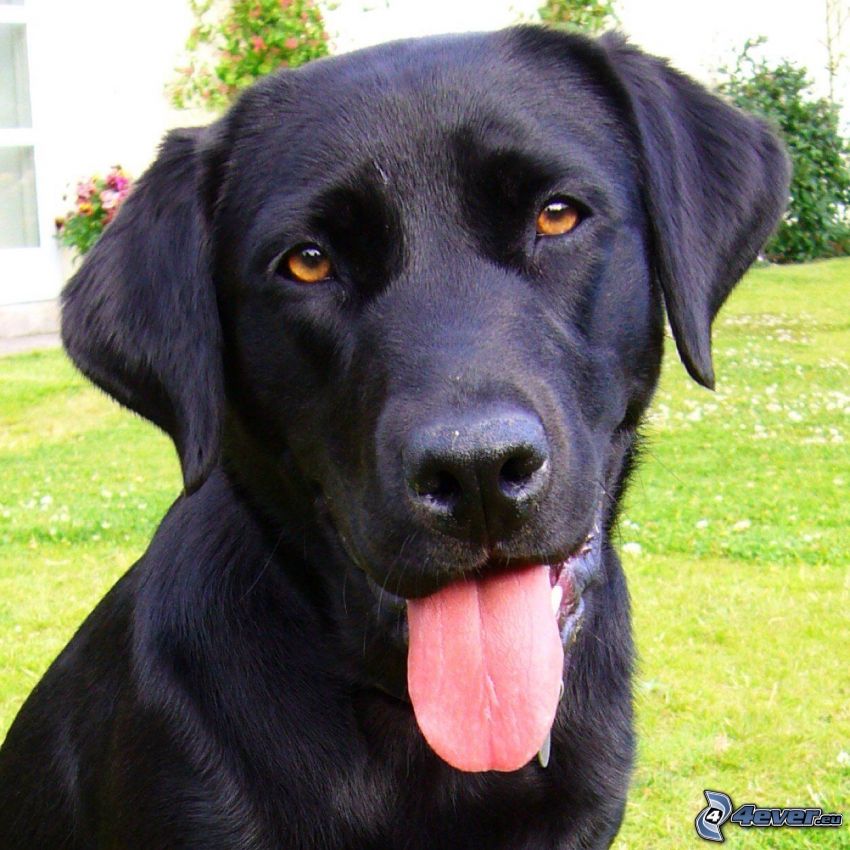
[140, 317]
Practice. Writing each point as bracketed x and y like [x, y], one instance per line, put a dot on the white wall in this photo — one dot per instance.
[699, 37]
[99, 70]
[98, 75]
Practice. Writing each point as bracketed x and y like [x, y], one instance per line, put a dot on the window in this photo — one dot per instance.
[14, 84]
[18, 208]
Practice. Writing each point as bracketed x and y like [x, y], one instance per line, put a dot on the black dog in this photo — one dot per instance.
[401, 312]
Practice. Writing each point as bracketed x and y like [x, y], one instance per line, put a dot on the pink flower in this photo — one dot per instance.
[109, 199]
[285, 4]
[85, 191]
[258, 43]
[117, 180]
[291, 43]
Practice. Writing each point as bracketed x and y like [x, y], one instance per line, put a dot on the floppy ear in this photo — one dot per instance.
[140, 318]
[715, 186]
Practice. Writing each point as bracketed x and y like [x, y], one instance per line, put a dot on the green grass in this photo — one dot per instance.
[736, 535]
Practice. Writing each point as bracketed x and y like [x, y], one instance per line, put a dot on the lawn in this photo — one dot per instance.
[736, 539]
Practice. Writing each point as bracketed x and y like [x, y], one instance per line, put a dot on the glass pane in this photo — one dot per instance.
[18, 212]
[14, 81]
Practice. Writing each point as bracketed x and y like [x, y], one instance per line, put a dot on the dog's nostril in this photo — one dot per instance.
[439, 487]
[518, 471]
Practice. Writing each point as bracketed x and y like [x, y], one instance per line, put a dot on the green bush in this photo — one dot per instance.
[228, 50]
[588, 16]
[817, 222]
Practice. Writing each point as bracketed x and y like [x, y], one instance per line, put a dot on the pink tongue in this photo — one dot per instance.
[484, 668]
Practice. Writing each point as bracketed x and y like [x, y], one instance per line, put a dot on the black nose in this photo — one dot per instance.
[478, 476]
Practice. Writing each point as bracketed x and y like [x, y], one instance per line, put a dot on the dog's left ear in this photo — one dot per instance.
[140, 317]
[715, 186]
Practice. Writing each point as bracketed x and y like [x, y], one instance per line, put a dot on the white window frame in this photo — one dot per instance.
[29, 274]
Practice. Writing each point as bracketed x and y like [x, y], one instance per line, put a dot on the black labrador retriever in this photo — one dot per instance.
[401, 312]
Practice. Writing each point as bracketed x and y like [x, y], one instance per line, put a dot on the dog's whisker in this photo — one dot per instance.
[263, 569]
[601, 484]
[395, 561]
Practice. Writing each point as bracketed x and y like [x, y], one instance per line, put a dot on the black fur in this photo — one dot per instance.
[243, 686]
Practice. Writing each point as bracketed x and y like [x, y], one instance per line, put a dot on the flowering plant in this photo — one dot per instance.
[233, 45]
[97, 202]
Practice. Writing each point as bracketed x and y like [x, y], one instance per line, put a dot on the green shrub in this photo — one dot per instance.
[588, 16]
[817, 223]
[227, 51]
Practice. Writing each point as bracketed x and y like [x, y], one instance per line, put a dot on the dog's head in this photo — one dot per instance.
[429, 279]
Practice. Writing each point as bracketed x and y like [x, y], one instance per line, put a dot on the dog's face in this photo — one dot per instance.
[428, 280]
[441, 317]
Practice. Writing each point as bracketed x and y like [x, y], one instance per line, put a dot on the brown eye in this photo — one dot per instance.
[559, 216]
[306, 264]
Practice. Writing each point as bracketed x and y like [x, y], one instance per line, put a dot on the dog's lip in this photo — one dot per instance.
[571, 574]
[570, 579]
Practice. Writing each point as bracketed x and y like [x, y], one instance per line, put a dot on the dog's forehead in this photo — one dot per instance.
[413, 100]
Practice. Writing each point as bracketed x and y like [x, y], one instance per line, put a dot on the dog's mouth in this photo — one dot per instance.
[569, 580]
[485, 657]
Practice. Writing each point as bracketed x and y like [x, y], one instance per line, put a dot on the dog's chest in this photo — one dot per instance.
[376, 806]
